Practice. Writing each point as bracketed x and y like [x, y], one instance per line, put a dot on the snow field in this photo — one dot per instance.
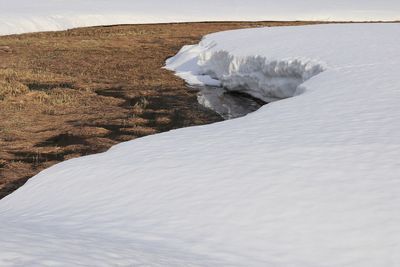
[310, 180]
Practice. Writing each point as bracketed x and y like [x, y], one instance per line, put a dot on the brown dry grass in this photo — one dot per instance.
[72, 93]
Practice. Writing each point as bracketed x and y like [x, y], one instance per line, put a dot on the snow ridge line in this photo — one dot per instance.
[265, 79]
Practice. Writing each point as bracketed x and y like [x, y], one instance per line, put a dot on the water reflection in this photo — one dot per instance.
[228, 105]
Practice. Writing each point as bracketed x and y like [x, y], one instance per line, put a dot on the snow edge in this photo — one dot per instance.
[261, 77]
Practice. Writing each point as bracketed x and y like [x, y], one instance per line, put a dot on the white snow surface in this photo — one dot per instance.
[20, 16]
[309, 180]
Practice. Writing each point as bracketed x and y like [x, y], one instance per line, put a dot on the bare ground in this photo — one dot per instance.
[78, 92]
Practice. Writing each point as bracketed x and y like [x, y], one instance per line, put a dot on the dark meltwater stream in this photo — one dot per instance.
[228, 105]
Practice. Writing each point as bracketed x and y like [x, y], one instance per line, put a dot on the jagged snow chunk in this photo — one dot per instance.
[256, 75]
[261, 77]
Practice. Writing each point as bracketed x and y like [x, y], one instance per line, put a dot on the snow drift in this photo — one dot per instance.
[310, 180]
[254, 75]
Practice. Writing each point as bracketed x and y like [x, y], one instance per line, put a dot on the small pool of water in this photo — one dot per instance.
[228, 105]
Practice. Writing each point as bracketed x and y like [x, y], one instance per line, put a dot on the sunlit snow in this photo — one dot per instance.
[310, 180]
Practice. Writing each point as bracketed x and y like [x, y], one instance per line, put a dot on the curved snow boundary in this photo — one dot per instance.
[258, 76]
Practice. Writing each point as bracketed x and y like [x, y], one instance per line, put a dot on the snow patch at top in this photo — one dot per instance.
[20, 16]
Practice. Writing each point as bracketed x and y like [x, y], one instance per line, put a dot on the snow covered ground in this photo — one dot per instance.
[19, 16]
[310, 180]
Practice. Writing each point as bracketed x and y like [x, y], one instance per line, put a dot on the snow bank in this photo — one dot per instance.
[265, 79]
[234, 62]
[310, 180]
